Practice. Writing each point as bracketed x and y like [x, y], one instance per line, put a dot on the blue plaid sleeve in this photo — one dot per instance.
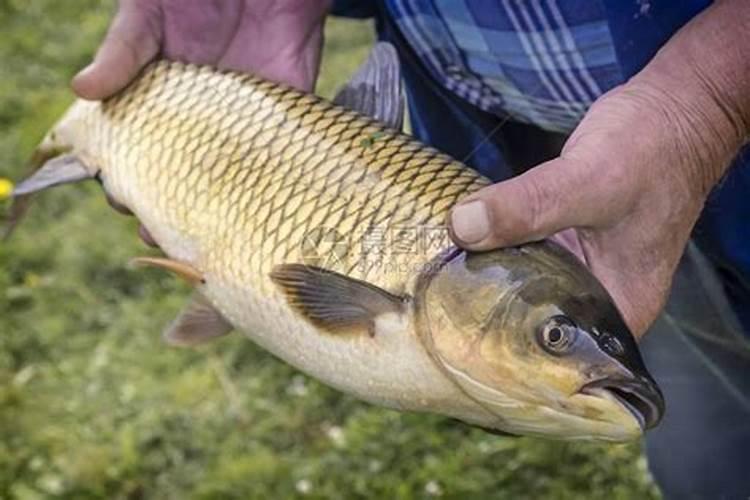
[539, 61]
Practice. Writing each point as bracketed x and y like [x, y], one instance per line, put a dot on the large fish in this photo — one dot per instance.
[317, 231]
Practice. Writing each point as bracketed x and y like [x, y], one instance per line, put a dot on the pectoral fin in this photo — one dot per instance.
[199, 322]
[375, 89]
[181, 269]
[335, 302]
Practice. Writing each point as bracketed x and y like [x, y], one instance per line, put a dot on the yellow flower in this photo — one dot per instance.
[6, 188]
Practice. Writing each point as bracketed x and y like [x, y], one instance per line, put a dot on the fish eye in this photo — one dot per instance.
[558, 334]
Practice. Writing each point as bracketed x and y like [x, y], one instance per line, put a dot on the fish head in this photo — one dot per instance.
[530, 335]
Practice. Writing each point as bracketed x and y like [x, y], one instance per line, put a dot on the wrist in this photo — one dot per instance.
[694, 139]
[699, 83]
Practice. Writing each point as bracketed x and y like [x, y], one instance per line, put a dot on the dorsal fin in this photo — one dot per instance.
[375, 89]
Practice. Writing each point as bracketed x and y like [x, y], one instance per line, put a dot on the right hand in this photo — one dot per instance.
[278, 39]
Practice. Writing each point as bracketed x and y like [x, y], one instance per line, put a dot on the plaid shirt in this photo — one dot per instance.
[540, 61]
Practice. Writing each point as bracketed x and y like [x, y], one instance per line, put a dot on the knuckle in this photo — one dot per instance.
[538, 199]
[517, 216]
[537, 196]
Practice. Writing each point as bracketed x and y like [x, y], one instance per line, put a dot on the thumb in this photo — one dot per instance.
[132, 41]
[548, 198]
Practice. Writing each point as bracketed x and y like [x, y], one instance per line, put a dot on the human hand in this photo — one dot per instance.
[632, 179]
[278, 39]
[615, 184]
[623, 195]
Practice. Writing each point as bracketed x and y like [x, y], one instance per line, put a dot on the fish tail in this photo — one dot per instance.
[46, 167]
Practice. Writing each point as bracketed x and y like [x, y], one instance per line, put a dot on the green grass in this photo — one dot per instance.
[93, 405]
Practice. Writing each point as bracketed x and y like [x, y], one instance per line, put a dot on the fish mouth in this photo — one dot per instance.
[641, 397]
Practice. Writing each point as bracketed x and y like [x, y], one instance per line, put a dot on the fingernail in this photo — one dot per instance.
[83, 71]
[470, 222]
[80, 84]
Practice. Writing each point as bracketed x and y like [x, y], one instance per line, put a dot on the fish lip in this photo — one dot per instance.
[640, 396]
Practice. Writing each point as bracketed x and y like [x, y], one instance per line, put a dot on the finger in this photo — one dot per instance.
[568, 238]
[546, 199]
[199, 31]
[285, 49]
[132, 41]
[639, 297]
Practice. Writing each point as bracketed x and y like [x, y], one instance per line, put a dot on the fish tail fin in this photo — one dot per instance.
[51, 163]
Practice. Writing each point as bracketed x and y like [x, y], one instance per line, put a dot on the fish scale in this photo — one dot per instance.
[245, 184]
[222, 154]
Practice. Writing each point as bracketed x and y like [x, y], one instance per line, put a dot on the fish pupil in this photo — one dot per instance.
[554, 335]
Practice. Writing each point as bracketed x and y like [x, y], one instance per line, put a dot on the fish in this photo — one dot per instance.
[317, 229]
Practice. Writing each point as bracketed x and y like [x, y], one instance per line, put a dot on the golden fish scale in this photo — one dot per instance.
[258, 174]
